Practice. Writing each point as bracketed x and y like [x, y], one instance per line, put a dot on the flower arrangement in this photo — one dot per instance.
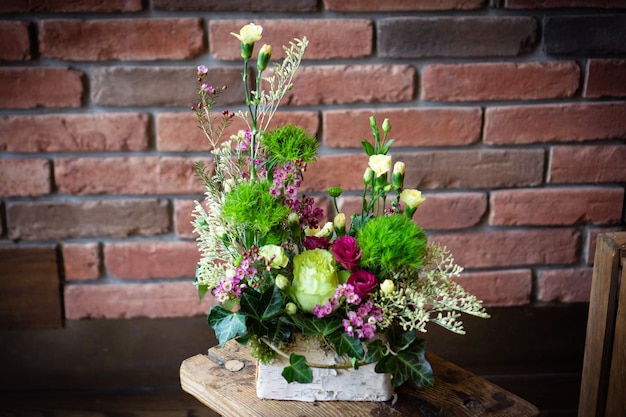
[364, 289]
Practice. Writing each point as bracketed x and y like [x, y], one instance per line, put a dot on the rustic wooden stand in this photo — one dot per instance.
[225, 381]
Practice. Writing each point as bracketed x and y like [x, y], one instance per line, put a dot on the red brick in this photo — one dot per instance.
[400, 5]
[500, 81]
[178, 132]
[121, 39]
[416, 37]
[592, 240]
[556, 206]
[346, 84]
[27, 88]
[24, 177]
[70, 219]
[154, 259]
[328, 38]
[81, 261]
[327, 171]
[127, 175]
[16, 41]
[503, 288]
[451, 126]
[439, 211]
[265, 6]
[476, 168]
[605, 78]
[124, 301]
[64, 6]
[507, 248]
[74, 132]
[553, 4]
[587, 164]
[183, 216]
[572, 285]
[130, 86]
[554, 123]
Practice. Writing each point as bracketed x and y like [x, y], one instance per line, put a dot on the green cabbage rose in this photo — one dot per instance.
[314, 278]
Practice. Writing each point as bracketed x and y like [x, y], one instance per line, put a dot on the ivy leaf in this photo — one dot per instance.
[313, 327]
[298, 370]
[368, 148]
[408, 365]
[251, 304]
[275, 304]
[346, 345]
[227, 325]
[278, 331]
[375, 351]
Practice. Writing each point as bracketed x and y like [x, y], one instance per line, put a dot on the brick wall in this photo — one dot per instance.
[510, 115]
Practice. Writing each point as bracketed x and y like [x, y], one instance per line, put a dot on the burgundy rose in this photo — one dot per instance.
[346, 252]
[314, 242]
[363, 282]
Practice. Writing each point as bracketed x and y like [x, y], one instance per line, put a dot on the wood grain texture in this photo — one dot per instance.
[457, 393]
[605, 329]
[30, 289]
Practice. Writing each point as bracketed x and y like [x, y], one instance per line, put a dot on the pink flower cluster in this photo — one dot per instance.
[362, 322]
[342, 290]
[287, 180]
[231, 287]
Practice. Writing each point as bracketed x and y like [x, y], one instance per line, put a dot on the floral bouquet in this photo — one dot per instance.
[362, 285]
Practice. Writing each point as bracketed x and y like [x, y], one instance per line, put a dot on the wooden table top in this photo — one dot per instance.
[456, 393]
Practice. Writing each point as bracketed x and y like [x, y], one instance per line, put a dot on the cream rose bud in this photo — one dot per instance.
[380, 164]
[386, 126]
[249, 34]
[275, 255]
[399, 168]
[291, 309]
[325, 231]
[281, 281]
[387, 287]
[340, 221]
[412, 198]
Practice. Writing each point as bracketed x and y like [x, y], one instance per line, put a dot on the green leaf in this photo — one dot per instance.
[408, 365]
[376, 350]
[384, 149]
[227, 325]
[369, 149]
[252, 303]
[298, 371]
[346, 345]
[314, 326]
[275, 304]
[202, 290]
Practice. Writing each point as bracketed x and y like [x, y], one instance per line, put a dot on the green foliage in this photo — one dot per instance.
[298, 370]
[251, 207]
[289, 143]
[402, 356]
[346, 345]
[390, 243]
[227, 324]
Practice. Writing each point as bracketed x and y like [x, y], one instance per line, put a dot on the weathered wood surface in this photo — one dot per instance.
[604, 367]
[457, 393]
[30, 288]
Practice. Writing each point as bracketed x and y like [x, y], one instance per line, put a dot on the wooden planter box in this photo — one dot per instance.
[362, 384]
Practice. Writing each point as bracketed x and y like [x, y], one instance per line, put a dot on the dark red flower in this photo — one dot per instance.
[364, 282]
[346, 252]
[314, 242]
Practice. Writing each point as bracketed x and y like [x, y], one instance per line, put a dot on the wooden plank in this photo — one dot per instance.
[600, 325]
[30, 289]
[457, 393]
[616, 403]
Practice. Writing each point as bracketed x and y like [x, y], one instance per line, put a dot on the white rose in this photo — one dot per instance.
[412, 198]
[249, 34]
[325, 231]
[380, 164]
